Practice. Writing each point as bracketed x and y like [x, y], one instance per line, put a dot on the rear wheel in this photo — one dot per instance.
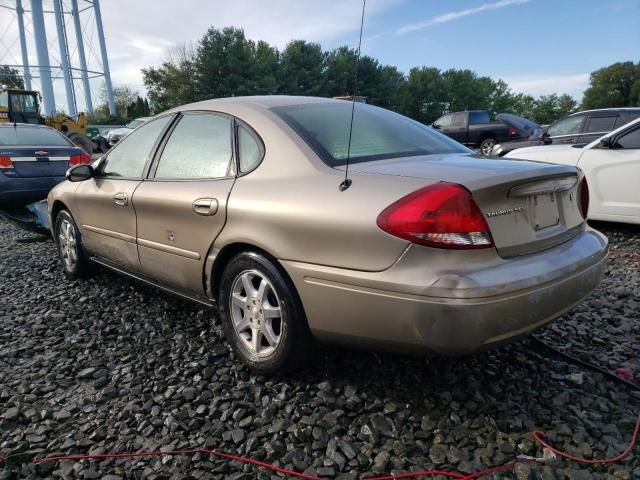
[262, 316]
[487, 146]
[82, 141]
[67, 237]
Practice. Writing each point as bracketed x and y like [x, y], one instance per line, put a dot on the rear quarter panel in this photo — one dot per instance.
[291, 206]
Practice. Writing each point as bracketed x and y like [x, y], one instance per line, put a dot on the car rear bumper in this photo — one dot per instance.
[26, 189]
[472, 310]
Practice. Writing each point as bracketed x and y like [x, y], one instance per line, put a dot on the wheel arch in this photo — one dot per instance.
[56, 208]
[226, 253]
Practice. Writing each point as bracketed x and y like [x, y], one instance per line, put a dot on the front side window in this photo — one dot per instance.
[23, 103]
[444, 122]
[630, 140]
[199, 147]
[600, 124]
[458, 120]
[566, 126]
[249, 151]
[4, 99]
[377, 133]
[129, 157]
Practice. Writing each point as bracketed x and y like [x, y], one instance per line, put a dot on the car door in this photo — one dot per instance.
[458, 128]
[105, 213]
[566, 130]
[596, 125]
[613, 175]
[181, 207]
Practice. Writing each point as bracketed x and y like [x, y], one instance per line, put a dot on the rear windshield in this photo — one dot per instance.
[377, 133]
[32, 137]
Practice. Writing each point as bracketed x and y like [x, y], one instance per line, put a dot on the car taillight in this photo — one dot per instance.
[583, 197]
[5, 162]
[442, 215]
[512, 132]
[80, 159]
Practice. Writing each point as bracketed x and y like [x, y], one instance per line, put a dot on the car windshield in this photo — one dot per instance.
[32, 136]
[135, 124]
[377, 133]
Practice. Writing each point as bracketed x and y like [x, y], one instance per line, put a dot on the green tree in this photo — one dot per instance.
[11, 77]
[423, 96]
[172, 83]
[302, 68]
[223, 64]
[617, 85]
[265, 64]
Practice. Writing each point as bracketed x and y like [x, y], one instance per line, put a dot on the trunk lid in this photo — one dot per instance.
[529, 206]
[40, 161]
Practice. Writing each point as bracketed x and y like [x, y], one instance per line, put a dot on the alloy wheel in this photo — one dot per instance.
[256, 313]
[68, 244]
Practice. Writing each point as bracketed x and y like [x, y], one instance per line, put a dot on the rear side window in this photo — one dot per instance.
[32, 136]
[566, 126]
[477, 118]
[199, 147]
[630, 140]
[377, 133]
[249, 150]
[600, 124]
[129, 157]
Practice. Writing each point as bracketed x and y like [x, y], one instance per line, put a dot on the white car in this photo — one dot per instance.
[611, 165]
[117, 134]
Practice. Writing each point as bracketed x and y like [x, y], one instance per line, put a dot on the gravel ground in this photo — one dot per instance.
[108, 365]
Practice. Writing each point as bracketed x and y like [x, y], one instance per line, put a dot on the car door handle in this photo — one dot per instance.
[569, 140]
[205, 206]
[120, 199]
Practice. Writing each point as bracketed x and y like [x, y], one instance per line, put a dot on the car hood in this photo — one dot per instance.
[541, 148]
[525, 127]
[119, 131]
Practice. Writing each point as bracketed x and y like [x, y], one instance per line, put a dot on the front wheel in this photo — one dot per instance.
[75, 262]
[262, 316]
[487, 146]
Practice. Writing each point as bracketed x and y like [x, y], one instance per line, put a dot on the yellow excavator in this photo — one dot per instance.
[23, 106]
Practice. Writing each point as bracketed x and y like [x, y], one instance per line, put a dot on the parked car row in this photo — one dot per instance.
[236, 202]
[611, 165]
[509, 132]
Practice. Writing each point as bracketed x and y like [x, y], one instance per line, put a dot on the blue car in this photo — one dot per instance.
[33, 159]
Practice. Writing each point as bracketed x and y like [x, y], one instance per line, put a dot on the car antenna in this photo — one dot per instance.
[346, 183]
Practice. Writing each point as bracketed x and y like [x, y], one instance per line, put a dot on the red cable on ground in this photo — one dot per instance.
[461, 476]
[540, 435]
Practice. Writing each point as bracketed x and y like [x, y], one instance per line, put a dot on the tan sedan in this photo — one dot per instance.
[242, 203]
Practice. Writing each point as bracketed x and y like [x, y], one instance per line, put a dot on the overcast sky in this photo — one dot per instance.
[537, 46]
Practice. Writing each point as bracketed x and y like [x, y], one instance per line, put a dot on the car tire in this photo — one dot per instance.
[487, 145]
[75, 262]
[262, 315]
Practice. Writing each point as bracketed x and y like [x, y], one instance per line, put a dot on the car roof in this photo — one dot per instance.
[257, 102]
[609, 110]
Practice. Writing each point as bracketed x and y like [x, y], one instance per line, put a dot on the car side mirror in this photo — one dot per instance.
[80, 173]
[436, 126]
[546, 138]
[605, 142]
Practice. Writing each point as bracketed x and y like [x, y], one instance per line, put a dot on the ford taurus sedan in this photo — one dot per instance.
[242, 203]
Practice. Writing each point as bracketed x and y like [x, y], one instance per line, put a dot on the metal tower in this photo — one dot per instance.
[68, 60]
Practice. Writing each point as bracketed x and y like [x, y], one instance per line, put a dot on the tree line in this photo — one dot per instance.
[225, 63]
